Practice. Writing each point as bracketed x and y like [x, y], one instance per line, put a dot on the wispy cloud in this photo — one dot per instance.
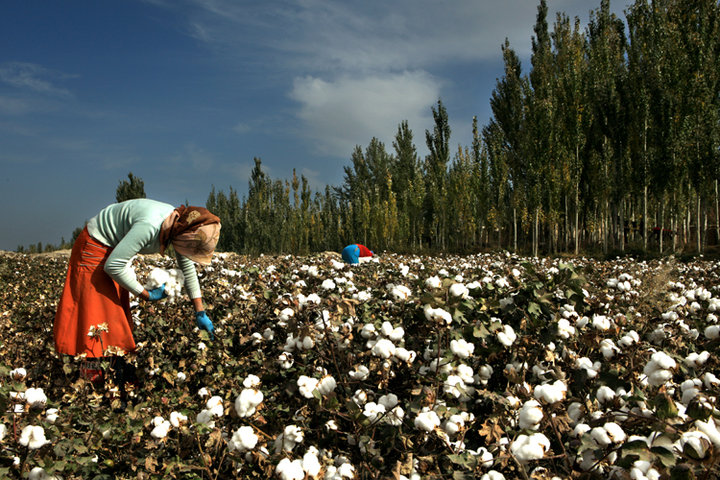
[341, 113]
[33, 77]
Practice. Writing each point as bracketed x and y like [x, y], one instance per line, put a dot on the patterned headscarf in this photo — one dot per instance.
[193, 232]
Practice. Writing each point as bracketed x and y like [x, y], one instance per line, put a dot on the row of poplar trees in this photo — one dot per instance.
[610, 142]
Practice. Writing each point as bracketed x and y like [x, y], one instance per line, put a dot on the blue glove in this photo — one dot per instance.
[157, 293]
[204, 322]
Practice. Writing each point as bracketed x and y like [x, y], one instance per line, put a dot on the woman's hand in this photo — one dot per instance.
[157, 293]
[204, 322]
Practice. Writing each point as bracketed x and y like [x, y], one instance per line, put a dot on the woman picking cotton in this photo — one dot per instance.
[93, 315]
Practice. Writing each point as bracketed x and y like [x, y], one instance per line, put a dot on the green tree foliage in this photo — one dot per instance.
[131, 188]
[611, 136]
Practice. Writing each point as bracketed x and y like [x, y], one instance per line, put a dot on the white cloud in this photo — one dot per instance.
[29, 76]
[195, 157]
[340, 113]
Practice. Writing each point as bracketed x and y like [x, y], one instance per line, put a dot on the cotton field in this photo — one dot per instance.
[487, 366]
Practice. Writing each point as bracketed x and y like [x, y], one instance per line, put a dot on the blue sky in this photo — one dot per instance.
[184, 93]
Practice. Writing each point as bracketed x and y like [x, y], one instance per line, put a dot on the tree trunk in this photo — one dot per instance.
[577, 217]
[515, 229]
[536, 231]
[621, 229]
[699, 243]
[717, 215]
[662, 223]
[645, 227]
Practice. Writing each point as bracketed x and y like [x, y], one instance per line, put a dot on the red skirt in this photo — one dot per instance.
[91, 298]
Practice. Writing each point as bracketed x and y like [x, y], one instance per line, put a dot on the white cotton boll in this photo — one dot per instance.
[462, 348]
[600, 436]
[400, 293]
[506, 302]
[608, 348]
[712, 332]
[586, 364]
[628, 339]
[530, 447]
[493, 475]
[465, 372]
[33, 437]
[360, 373]
[454, 386]
[575, 411]
[565, 330]
[243, 439]
[360, 397]
[712, 318]
[368, 331]
[710, 429]
[363, 296]
[433, 282]
[386, 328]
[311, 463]
[384, 348]
[397, 334]
[290, 469]
[205, 417]
[181, 377]
[710, 380]
[18, 374]
[286, 314]
[405, 355]
[615, 432]
[550, 392]
[662, 360]
[601, 322]
[328, 284]
[307, 385]
[459, 290]
[688, 394]
[427, 420]
[161, 429]
[507, 335]
[373, 411]
[291, 436]
[581, 429]
[437, 315]
[177, 419]
[530, 415]
[502, 282]
[612, 283]
[285, 360]
[35, 397]
[485, 373]
[203, 392]
[454, 424]
[306, 343]
[659, 377]
[251, 381]
[51, 415]
[698, 443]
[215, 406]
[247, 402]
[605, 394]
[326, 385]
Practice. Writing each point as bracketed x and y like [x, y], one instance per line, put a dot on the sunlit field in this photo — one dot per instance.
[408, 367]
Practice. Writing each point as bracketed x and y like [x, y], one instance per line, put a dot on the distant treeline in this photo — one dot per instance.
[611, 142]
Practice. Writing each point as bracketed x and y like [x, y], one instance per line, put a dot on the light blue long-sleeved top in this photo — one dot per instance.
[133, 227]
